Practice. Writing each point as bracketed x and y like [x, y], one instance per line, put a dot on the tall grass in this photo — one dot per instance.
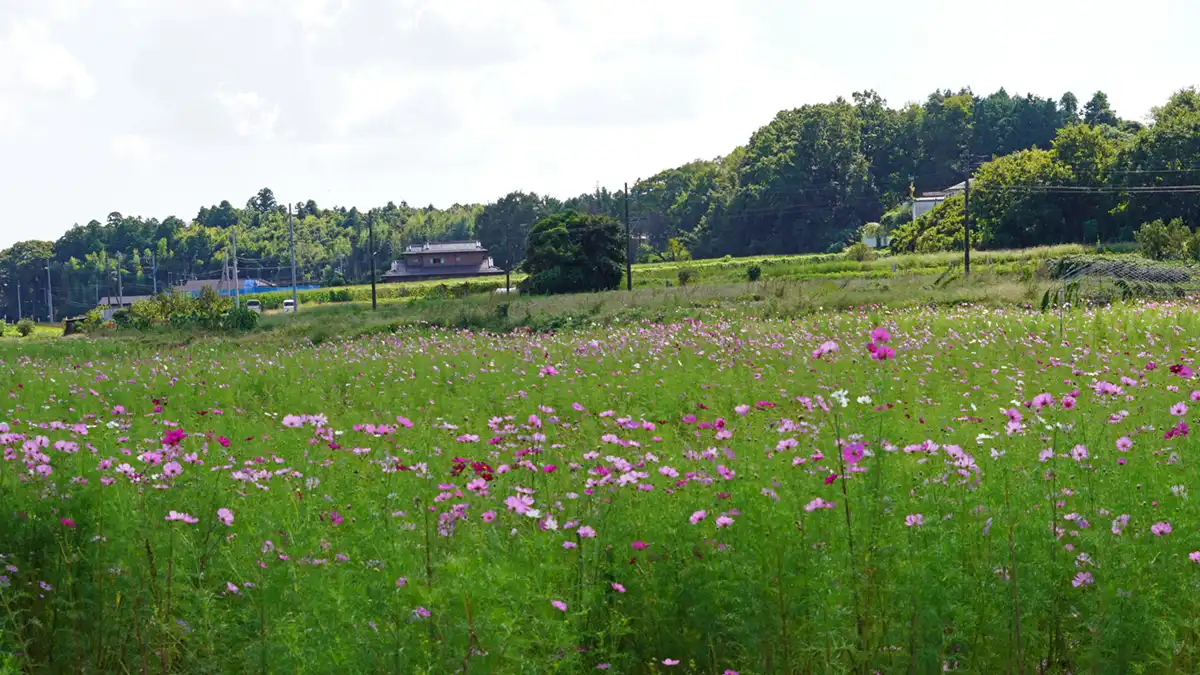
[696, 496]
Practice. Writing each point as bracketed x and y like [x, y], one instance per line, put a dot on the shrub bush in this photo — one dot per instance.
[25, 327]
[240, 319]
[753, 272]
[859, 251]
[685, 275]
[1162, 241]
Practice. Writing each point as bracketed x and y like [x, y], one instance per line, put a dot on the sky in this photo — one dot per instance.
[156, 107]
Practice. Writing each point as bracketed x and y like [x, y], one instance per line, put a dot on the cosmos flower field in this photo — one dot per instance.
[971, 489]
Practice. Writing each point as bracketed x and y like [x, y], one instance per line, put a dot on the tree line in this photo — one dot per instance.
[804, 182]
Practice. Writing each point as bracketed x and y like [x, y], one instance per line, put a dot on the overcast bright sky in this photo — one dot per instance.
[155, 107]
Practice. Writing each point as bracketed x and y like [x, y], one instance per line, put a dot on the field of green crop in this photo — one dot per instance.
[910, 490]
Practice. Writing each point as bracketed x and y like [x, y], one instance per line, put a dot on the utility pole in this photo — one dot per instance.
[154, 272]
[120, 288]
[507, 264]
[292, 246]
[628, 244]
[49, 292]
[371, 235]
[237, 298]
[967, 224]
[18, 298]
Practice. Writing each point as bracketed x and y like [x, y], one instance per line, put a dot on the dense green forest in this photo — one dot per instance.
[1046, 171]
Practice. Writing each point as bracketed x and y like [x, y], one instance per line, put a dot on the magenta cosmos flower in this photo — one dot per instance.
[173, 436]
[559, 605]
[853, 453]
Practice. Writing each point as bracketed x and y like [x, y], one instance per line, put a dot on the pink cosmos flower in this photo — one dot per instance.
[698, 516]
[724, 521]
[639, 545]
[1083, 579]
[1124, 443]
[401, 582]
[559, 605]
[742, 409]
[185, 517]
[880, 335]
[335, 518]
[172, 469]
[223, 441]
[1179, 409]
[1068, 402]
[67, 522]
[914, 520]
[818, 503]
[670, 662]
[1042, 400]
[1160, 528]
[404, 421]
[828, 347]
[1079, 453]
[422, 613]
[1194, 556]
[225, 516]
[489, 516]
[570, 545]
[618, 587]
[586, 532]
[853, 453]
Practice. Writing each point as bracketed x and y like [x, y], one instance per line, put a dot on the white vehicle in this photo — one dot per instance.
[289, 305]
[254, 306]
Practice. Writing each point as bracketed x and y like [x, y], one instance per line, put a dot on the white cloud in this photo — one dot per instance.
[31, 61]
[131, 147]
[251, 115]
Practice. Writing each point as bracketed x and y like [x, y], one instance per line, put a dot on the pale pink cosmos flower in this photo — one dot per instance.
[225, 516]
[1160, 528]
[1083, 579]
[914, 520]
[724, 521]
[488, 516]
[586, 532]
[818, 503]
[185, 517]
[172, 469]
[1194, 556]
[742, 409]
[1179, 409]
[1124, 443]
[698, 516]
[670, 662]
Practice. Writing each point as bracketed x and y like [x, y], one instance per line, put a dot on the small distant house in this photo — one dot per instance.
[110, 304]
[929, 200]
[224, 286]
[449, 260]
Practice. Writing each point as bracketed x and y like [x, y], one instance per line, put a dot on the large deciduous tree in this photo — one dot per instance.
[572, 252]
